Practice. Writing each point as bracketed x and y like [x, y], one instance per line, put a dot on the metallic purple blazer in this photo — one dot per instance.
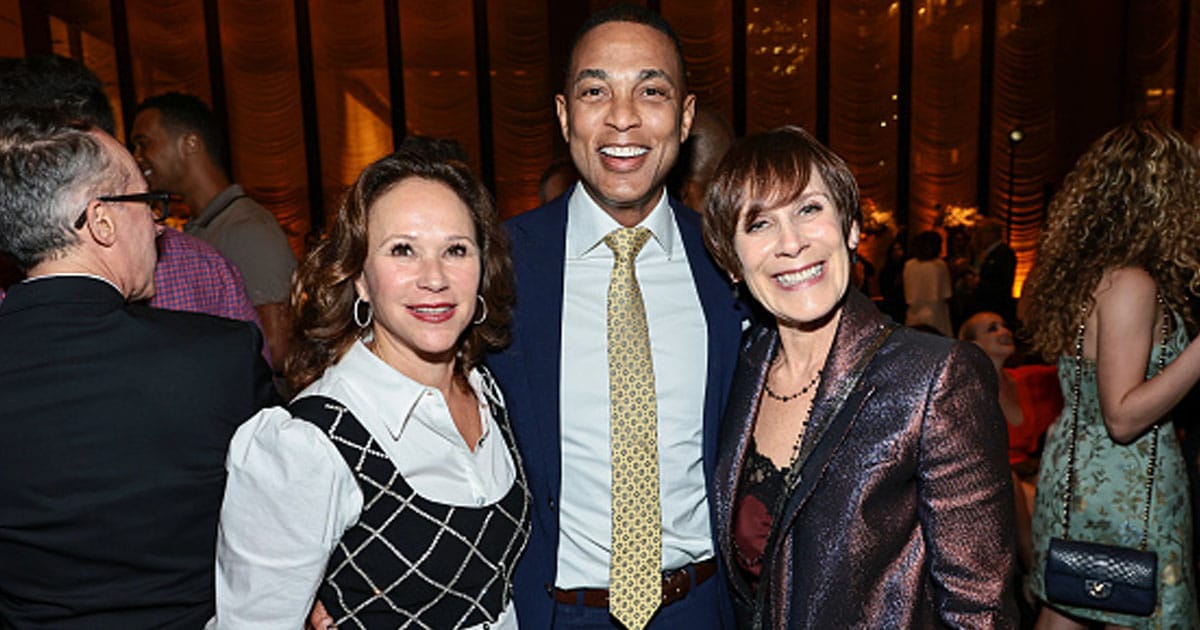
[902, 516]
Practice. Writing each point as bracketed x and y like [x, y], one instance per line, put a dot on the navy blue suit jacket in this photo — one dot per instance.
[528, 373]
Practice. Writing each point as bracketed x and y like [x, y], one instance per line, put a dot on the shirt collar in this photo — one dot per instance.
[75, 275]
[219, 204]
[392, 396]
[588, 223]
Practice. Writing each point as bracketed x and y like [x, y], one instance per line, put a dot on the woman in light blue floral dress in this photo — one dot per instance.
[1119, 255]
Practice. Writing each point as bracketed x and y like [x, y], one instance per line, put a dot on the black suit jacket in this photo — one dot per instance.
[115, 420]
[996, 274]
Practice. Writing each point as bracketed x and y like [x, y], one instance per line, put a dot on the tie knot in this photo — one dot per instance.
[627, 242]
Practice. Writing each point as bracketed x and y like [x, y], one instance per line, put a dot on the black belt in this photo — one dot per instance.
[676, 585]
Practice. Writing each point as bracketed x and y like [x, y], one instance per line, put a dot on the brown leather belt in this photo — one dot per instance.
[676, 585]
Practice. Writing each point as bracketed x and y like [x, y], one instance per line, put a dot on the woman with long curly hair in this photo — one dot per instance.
[389, 491]
[1116, 264]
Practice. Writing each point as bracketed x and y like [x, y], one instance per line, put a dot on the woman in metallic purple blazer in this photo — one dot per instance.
[863, 479]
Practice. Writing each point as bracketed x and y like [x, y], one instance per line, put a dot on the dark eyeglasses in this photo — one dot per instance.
[158, 200]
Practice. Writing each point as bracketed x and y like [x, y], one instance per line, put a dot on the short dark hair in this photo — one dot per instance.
[58, 83]
[927, 245]
[50, 168]
[636, 14]
[323, 294]
[184, 113]
[438, 149]
[766, 170]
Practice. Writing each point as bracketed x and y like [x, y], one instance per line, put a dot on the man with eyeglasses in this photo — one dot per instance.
[179, 145]
[191, 275]
[116, 416]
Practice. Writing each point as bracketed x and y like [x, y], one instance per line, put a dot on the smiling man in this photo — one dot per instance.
[178, 145]
[622, 354]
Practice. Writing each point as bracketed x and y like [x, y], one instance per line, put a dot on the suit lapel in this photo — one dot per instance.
[861, 332]
[542, 250]
[723, 315]
[736, 429]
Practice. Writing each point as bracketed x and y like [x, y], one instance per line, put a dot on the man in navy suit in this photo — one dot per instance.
[116, 417]
[624, 112]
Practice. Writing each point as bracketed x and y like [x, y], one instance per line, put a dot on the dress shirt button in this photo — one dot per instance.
[479, 501]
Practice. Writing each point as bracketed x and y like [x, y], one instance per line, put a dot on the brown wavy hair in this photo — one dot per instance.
[1132, 200]
[323, 294]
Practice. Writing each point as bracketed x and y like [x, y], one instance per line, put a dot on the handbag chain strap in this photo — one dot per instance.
[1151, 466]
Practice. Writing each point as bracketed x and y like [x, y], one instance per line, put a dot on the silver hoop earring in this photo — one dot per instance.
[483, 307]
[358, 319]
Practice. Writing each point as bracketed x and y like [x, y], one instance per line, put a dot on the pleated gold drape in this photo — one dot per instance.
[1191, 99]
[87, 36]
[1151, 62]
[523, 120]
[350, 74]
[864, 81]
[1023, 98]
[12, 40]
[781, 64]
[703, 29]
[945, 109]
[440, 99]
[1032, 88]
[266, 129]
[168, 48]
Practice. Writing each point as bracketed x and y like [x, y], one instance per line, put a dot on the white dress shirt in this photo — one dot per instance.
[679, 346]
[290, 496]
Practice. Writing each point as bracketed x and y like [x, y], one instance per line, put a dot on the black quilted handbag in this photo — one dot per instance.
[1093, 575]
[1105, 577]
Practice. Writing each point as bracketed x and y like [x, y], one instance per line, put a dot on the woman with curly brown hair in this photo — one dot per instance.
[1109, 299]
[389, 489]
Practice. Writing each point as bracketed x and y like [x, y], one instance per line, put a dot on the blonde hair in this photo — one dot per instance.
[1132, 200]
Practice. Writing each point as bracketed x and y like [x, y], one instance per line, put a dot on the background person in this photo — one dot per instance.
[115, 416]
[190, 275]
[862, 480]
[927, 288]
[1118, 256]
[391, 488]
[178, 145]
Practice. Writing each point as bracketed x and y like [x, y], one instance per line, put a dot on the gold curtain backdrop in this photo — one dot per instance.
[266, 130]
[440, 99]
[781, 64]
[1151, 62]
[169, 51]
[1191, 96]
[1061, 71]
[350, 73]
[1023, 99]
[703, 29]
[944, 167]
[523, 88]
[12, 40]
[864, 67]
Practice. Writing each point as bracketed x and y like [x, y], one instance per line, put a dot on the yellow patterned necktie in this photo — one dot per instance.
[635, 575]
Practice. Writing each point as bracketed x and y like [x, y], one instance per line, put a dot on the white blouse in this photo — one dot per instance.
[290, 496]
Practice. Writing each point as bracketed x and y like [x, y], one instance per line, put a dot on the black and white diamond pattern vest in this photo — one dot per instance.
[410, 562]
